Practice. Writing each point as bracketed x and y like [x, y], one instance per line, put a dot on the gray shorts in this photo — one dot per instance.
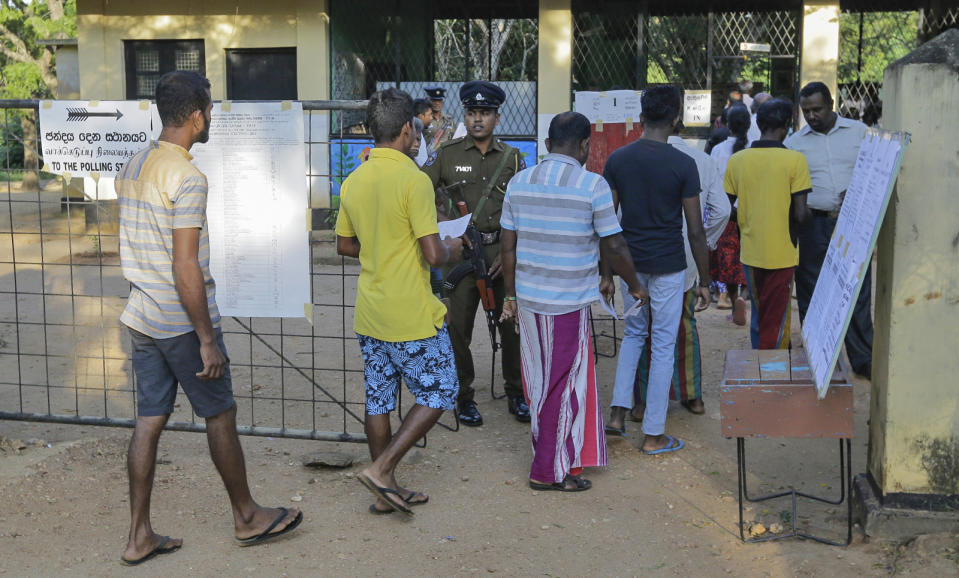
[161, 364]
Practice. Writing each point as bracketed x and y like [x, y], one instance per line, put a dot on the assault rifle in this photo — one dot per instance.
[476, 264]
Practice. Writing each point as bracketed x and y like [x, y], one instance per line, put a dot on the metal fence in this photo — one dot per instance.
[869, 42]
[627, 45]
[376, 43]
[64, 357]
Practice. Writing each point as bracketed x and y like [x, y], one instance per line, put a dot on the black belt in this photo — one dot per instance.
[829, 214]
[490, 238]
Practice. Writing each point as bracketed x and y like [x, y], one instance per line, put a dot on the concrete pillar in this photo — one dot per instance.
[313, 49]
[555, 61]
[820, 44]
[914, 414]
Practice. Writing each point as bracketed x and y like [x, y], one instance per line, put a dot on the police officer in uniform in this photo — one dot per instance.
[441, 130]
[467, 169]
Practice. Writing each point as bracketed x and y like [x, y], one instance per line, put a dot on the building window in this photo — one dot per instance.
[148, 60]
[261, 73]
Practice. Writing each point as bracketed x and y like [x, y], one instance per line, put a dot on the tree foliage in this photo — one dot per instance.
[28, 68]
[497, 49]
[886, 37]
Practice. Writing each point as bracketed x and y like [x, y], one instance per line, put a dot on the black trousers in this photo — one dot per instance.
[813, 244]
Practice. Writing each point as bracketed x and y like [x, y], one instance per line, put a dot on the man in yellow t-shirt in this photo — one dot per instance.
[770, 184]
[387, 219]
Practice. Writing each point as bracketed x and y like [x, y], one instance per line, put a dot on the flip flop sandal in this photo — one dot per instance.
[409, 500]
[384, 493]
[698, 409]
[379, 512]
[580, 485]
[675, 444]
[615, 431]
[266, 535]
[160, 549]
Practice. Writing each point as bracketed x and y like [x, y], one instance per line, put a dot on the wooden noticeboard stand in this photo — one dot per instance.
[770, 393]
[797, 394]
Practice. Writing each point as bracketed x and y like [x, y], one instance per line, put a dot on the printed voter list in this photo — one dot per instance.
[850, 251]
[83, 138]
[259, 244]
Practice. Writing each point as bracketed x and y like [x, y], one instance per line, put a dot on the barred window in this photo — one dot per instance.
[147, 60]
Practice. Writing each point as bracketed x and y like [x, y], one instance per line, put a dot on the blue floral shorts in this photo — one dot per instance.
[427, 365]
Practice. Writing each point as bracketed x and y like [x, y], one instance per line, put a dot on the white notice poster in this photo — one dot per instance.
[697, 106]
[81, 138]
[259, 244]
[610, 106]
[850, 252]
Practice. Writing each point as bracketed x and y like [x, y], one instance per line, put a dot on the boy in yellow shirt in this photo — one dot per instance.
[770, 183]
[387, 219]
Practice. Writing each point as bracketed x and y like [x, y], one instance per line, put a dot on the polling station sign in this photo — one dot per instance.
[81, 138]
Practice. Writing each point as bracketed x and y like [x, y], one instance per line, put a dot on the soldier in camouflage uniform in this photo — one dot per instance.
[462, 170]
[440, 131]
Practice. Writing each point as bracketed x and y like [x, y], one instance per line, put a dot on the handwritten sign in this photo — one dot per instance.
[697, 106]
[92, 138]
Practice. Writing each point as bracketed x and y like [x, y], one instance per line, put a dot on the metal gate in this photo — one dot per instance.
[630, 45]
[64, 357]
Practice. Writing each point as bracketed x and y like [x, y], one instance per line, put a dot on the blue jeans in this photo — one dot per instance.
[666, 304]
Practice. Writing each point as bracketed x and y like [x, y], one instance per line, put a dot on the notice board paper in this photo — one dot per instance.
[259, 246]
[610, 106]
[697, 107]
[81, 138]
[850, 251]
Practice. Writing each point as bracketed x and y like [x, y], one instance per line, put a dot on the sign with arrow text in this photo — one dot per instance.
[82, 138]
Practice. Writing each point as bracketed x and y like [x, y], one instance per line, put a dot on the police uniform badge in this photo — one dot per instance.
[431, 159]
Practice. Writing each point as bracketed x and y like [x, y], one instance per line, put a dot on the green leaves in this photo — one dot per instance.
[27, 68]
[22, 80]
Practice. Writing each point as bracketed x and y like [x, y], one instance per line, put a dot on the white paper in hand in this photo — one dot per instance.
[460, 131]
[636, 308]
[608, 308]
[454, 228]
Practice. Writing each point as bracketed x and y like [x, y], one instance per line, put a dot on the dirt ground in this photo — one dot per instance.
[64, 503]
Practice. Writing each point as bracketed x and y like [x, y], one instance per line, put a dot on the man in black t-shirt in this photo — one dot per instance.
[654, 184]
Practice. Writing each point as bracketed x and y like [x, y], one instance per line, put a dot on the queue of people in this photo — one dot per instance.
[545, 244]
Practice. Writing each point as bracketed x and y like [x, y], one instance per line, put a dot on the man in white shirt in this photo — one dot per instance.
[830, 144]
[745, 87]
[686, 386]
[754, 132]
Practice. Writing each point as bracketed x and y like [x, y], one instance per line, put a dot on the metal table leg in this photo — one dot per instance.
[845, 485]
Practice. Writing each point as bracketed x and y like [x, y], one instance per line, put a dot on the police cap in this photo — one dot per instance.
[481, 94]
[435, 92]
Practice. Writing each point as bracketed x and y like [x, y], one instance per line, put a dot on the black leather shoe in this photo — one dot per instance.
[468, 414]
[517, 406]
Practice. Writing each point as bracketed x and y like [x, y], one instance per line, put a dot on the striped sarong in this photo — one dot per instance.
[770, 293]
[559, 379]
[687, 367]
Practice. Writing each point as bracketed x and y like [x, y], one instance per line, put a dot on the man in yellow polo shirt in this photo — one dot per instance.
[770, 183]
[387, 219]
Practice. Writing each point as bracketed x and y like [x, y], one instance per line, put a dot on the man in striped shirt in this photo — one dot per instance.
[173, 318]
[557, 219]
